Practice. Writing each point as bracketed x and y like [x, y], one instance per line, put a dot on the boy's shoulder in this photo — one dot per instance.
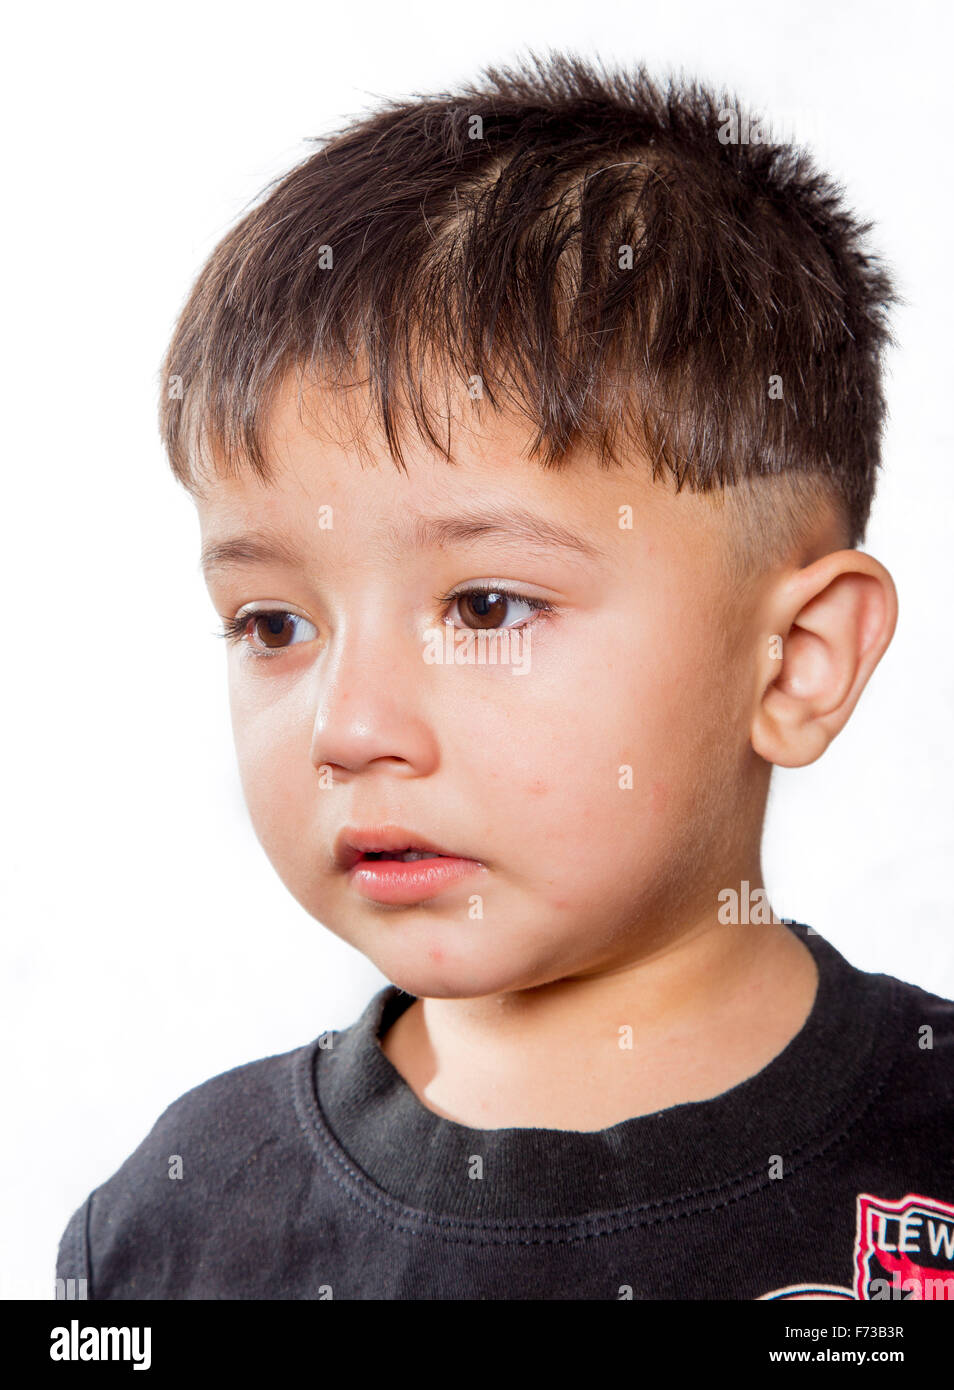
[225, 1153]
[922, 1039]
[231, 1120]
[909, 1023]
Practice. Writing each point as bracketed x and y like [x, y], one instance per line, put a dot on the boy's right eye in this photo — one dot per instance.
[265, 625]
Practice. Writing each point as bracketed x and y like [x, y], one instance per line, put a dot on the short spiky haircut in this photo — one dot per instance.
[592, 247]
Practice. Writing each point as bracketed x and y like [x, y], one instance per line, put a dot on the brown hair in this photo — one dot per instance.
[622, 262]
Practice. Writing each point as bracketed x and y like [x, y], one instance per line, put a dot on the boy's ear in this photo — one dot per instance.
[833, 621]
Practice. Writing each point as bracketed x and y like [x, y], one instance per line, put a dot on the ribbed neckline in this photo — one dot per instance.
[791, 1108]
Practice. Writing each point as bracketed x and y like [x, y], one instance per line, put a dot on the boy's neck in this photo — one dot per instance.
[707, 1012]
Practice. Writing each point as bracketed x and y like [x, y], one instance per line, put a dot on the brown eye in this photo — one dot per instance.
[487, 608]
[270, 628]
[484, 608]
[267, 631]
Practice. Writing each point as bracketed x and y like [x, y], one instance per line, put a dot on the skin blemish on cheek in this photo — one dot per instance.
[658, 796]
[436, 954]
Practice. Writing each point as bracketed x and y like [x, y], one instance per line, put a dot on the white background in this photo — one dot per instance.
[150, 945]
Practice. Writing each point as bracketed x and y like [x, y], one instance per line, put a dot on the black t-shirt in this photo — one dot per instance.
[319, 1174]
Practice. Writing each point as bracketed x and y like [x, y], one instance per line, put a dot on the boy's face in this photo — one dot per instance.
[643, 664]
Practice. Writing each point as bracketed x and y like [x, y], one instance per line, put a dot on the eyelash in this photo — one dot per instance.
[234, 628]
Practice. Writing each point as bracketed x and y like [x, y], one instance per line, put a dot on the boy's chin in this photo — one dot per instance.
[428, 979]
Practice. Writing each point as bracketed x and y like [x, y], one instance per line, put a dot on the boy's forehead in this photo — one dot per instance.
[320, 480]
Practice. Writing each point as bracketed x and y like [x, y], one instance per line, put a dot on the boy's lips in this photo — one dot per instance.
[392, 880]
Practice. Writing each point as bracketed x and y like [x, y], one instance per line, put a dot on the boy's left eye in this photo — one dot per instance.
[487, 605]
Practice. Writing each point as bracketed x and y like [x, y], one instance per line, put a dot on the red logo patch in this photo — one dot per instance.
[904, 1249]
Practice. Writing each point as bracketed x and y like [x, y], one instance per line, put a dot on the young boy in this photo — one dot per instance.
[506, 715]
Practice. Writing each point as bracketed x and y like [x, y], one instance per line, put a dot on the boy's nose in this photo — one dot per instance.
[370, 707]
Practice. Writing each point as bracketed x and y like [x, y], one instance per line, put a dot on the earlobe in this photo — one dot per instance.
[834, 620]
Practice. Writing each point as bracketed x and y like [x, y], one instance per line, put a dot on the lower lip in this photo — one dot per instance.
[396, 881]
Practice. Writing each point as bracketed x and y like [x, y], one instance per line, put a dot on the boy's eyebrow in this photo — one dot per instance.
[424, 532]
[513, 523]
[250, 548]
